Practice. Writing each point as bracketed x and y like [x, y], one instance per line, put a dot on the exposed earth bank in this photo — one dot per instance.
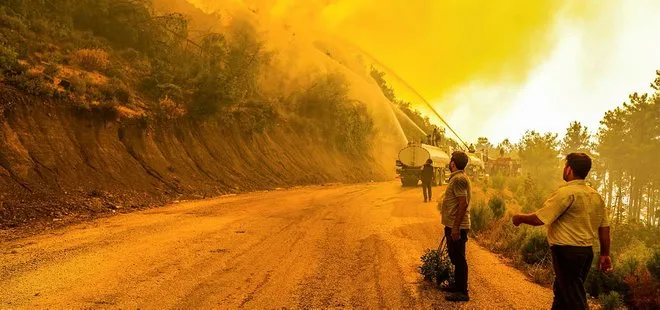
[59, 165]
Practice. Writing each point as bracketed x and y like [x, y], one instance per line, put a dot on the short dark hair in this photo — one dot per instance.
[580, 163]
[460, 159]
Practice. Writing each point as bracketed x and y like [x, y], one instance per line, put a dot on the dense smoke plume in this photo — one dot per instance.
[436, 46]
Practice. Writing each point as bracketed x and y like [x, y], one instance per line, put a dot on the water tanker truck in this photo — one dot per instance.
[476, 168]
[412, 159]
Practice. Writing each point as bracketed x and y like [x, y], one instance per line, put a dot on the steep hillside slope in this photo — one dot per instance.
[57, 164]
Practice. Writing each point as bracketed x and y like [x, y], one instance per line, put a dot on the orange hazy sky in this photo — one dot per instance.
[498, 68]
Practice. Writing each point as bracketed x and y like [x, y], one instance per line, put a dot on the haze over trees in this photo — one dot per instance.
[124, 55]
[626, 170]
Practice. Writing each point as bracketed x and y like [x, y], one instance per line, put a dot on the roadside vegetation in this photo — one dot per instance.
[122, 58]
[625, 172]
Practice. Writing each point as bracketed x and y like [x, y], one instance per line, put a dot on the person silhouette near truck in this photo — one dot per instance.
[427, 179]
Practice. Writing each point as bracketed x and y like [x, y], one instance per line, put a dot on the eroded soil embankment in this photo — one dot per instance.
[58, 165]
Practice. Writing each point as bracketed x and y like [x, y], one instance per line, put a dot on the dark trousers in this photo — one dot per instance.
[426, 188]
[456, 251]
[571, 265]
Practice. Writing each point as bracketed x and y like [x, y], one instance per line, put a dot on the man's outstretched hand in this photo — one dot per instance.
[529, 219]
[605, 263]
[517, 220]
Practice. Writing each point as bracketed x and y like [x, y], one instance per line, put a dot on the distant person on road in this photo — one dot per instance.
[575, 215]
[427, 179]
[455, 211]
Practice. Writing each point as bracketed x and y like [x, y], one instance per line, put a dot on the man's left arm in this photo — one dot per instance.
[460, 214]
[552, 208]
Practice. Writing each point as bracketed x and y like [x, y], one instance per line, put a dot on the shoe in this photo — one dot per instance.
[424, 200]
[458, 297]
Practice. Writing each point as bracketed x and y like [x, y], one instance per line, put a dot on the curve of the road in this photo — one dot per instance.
[340, 246]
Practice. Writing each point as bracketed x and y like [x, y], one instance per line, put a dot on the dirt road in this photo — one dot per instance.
[355, 246]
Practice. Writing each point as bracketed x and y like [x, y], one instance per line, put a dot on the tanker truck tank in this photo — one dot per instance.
[476, 168]
[412, 158]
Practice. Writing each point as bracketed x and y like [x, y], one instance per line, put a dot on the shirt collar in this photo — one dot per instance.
[455, 173]
[576, 182]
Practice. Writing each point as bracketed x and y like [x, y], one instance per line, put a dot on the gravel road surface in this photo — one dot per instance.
[338, 246]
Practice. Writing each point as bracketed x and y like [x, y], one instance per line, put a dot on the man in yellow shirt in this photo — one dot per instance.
[575, 215]
[455, 212]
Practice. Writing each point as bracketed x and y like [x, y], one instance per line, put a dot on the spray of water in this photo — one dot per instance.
[405, 117]
[415, 92]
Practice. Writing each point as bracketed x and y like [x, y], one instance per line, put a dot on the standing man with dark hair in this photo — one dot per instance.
[427, 179]
[575, 215]
[456, 219]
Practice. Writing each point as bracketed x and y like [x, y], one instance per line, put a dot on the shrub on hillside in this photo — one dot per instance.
[514, 183]
[130, 54]
[105, 110]
[498, 181]
[91, 59]
[531, 201]
[8, 58]
[535, 248]
[12, 22]
[628, 261]
[515, 239]
[168, 109]
[633, 231]
[171, 91]
[115, 71]
[530, 195]
[33, 84]
[541, 273]
[497, 206]
[653, 264]
[78, 84]
[632, 257]
[345, 123]
[643, 293]
[358, 129]
[40, 26]
[255, 116]
[115, 90]
[480, 216]
[611, 301]
[51, 70]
